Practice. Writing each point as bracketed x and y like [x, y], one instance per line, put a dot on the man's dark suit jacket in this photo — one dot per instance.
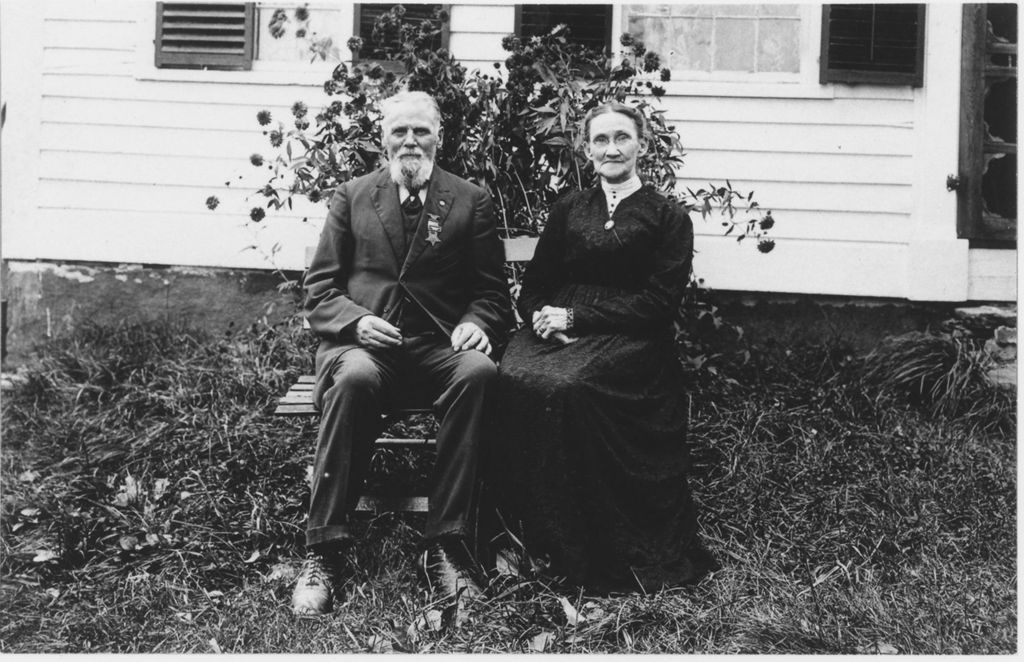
[361, 268]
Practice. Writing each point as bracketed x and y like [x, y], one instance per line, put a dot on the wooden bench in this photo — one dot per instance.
[298, 401]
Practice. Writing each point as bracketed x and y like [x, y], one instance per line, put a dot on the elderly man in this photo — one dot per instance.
[407, 284]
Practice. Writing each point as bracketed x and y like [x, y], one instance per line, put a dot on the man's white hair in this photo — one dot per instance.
[387, 106]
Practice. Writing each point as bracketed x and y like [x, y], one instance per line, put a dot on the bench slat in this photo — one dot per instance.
[385, 504]
[296, 410]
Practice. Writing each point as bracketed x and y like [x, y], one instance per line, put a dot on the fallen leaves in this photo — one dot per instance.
[539, 642]
[44, 555]
[878, 648]
[572, 616]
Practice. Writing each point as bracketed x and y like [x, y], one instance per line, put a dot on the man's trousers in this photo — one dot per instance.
[353, 392]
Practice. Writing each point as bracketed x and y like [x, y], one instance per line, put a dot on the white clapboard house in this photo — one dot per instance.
[883, 137]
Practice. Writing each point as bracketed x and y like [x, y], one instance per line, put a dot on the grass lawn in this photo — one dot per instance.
[152, 504]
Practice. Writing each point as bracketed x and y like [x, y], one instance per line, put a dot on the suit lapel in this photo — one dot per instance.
[439, 203]
[385, 201]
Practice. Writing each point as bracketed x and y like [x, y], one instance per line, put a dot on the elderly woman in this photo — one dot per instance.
[591, 460]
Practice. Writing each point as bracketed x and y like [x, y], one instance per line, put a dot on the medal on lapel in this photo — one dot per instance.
[433, 229]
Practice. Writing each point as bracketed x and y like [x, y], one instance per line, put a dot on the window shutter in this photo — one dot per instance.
[589, 25]
[367, 13]
[987, 187]
[192, 35]
[872, 44]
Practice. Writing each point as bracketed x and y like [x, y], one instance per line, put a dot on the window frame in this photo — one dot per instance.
[200, 60]
[828, 75]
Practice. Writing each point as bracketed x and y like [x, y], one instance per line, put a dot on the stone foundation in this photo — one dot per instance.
[997, 326]
[47, 298]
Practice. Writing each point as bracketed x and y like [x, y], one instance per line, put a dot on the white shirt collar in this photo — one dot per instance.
[403, 192]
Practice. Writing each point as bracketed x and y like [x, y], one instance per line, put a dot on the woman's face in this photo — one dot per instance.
[613, 146]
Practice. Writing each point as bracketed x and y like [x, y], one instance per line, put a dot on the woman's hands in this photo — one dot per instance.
[551, 323]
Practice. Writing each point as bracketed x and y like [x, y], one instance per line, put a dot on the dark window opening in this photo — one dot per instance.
[589, 25]
[203, 36]
[881, 44]
[367, 14]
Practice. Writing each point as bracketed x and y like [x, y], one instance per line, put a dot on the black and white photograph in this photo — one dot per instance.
[486, 328]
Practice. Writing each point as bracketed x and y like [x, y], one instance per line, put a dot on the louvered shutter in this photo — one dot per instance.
[192, 35]
[589, 25]
[872, 44]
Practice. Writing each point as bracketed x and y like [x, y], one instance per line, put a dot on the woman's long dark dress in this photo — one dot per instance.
[591, 460]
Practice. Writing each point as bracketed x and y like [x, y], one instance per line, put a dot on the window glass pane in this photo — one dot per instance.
[734, 45]
[775, 50]
[290, 48]
[691, 38]
[715, 37]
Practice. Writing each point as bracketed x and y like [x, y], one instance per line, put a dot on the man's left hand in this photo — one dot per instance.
[470, 336]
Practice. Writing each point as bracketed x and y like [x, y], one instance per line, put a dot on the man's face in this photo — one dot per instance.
[411, 135]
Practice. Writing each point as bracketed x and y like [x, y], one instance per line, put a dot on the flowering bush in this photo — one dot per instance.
[514, 132]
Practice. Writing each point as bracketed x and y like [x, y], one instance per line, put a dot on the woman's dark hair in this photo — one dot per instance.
[615, 107]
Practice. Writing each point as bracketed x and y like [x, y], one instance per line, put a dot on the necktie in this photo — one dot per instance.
[412, 205]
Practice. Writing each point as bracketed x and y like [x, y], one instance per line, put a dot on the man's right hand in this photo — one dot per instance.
[372, 331]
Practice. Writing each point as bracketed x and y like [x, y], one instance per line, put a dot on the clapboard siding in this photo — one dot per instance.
[98, 195]
[87, 11]
[831, 226]
[833, 267]
[89, 33]
[476, 34]
[84, 60]
[119, 88]
[991, 272]
[183, 115]
[721, 164]
[834, 112]
[794, 138]
[116, 139]
[824, 198]
[157, 238]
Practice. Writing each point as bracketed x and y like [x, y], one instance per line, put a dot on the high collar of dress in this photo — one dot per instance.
[616, 193]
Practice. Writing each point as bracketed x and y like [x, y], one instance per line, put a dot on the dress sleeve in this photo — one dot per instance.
[546, 271]
[658, 300]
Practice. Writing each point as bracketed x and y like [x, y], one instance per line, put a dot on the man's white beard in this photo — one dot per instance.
[412, 174]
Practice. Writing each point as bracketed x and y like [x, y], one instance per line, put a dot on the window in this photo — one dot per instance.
[872, 44]
[366, 14]
[204, 36]
[589, 25]
[285, 37]
[755, 39]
